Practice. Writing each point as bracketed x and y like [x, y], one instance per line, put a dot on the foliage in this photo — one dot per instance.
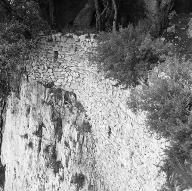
[167, 102]
[128, 55]
[18, 34]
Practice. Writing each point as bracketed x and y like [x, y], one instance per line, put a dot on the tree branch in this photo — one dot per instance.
[98, 23]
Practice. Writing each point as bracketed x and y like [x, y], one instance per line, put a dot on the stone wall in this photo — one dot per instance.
[124, 157]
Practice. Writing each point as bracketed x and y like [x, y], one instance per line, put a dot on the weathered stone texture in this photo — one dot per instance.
[117, 155]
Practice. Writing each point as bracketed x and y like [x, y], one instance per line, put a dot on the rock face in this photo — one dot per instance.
[71, 130]
[47, 141]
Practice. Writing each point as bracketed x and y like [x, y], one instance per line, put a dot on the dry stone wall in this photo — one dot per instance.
[126, 156]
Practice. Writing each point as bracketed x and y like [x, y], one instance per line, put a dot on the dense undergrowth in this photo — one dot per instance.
[18, 38]
[127, 55]
[160, 85]
[167, 101]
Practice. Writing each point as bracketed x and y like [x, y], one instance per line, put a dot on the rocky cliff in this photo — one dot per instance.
[70, 128]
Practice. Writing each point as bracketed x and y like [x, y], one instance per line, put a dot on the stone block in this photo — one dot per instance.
[70, 41]
[68, 58]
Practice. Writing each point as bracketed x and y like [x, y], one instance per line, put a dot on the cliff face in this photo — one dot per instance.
[71, 129]
[47, 143]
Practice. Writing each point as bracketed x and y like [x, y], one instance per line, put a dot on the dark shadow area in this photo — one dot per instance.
[79, 180]
[183, 6]
[2, 176]
[39, 134]
[130, 12]
[66, 11]
[61, 14]
[52, 162]
[2, 113]
[58, 128]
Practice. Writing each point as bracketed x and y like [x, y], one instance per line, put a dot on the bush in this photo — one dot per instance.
[128, 55]
[167, 98]
[167, 102]
[18, 34]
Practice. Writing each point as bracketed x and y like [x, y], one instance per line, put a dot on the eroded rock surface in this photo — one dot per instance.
[47, 143]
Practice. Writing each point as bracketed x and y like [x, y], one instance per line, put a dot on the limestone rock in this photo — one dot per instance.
[171, 29]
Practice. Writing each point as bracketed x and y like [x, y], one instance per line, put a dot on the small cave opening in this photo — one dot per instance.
[183, 6]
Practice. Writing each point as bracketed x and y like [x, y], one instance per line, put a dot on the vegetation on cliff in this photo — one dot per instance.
[19, 29]
[129, 55]
[20, 25]
[132, 57]
[167, 102]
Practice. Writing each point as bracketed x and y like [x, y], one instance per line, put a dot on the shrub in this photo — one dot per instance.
[13, 50]
[167, 102]
[167, 98]
[18, 36]
[128, 55]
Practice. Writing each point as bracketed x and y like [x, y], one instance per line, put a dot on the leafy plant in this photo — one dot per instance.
[129, 54]
[167, 102]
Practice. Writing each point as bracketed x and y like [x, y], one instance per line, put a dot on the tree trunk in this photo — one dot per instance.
[157, 12]
[152, 12]
[115, 16]
[165, 7]
[51, 12]
[98, 20]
